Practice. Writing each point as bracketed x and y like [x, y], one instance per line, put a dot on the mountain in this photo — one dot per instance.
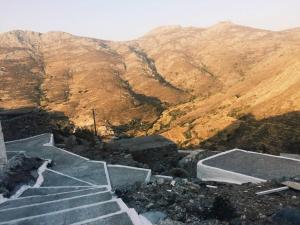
[218, 87]
[69, 74]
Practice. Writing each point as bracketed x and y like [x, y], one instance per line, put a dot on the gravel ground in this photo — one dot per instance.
[193, 203]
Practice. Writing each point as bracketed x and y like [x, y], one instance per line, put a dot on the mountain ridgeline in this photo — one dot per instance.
[219, 87]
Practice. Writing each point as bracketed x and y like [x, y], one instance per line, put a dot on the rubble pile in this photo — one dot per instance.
[195, 202]
[20, 170]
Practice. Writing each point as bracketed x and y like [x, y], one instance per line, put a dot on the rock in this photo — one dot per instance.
[155, 216]
[189, 162]
[105, 131]
[128, 156]
[209, 222]
[170, 222]
[19, 171]
[287, 216]
[178, 172]
[160, 180]
[149, 206]
[222, 209]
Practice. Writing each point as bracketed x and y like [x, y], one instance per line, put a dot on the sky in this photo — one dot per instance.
[129, 19]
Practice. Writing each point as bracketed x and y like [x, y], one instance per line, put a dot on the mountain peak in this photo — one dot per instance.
[165, 29]
[225, 23]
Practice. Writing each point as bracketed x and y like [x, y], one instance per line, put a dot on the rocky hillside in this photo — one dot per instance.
[218, 87]
[64, 73]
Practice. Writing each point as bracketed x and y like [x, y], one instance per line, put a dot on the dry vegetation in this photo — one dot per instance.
[219, 87]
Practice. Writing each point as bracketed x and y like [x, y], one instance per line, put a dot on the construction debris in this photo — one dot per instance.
[275, 190]
[192, 202]
[293, 185]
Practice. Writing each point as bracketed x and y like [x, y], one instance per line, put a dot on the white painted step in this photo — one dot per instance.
[46, 198]
[125, 175]
[69, 215]
[54, 178]
[52, 206]
[53, 190]
[119, 218]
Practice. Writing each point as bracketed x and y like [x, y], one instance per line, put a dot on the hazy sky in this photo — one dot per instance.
[128, 19]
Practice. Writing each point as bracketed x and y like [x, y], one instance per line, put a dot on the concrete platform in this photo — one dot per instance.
[240, 166]
[125, 175]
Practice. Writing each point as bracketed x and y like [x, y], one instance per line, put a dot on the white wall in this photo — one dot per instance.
[3, 157]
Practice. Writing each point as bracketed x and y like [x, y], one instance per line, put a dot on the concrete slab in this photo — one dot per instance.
[56, 205]
[120, 218]
[53, 190]
[64, 162]
[54, 178]
[3, 155]
[37, 140]
[45, 198]
[68, 216]
[125, 175]
[240, 166]
[12, 154]
[292, 156]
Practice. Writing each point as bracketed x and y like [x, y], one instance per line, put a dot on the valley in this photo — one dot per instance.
[216, 88]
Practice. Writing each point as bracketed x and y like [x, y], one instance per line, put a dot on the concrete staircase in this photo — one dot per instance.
[75, 190]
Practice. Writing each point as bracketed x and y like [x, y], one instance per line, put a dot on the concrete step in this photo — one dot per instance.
[126, 175]
[54, 178]
[68, 215]
[54, 190]
[52, 206]
[120, 218]
[65, 162]
[240, 166]
[46, 198]
[13, 153]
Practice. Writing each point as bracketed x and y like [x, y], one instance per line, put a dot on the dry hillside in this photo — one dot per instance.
[218, 87]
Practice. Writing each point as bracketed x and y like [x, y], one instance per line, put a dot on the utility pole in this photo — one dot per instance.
[3, 156]
[94, 118]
